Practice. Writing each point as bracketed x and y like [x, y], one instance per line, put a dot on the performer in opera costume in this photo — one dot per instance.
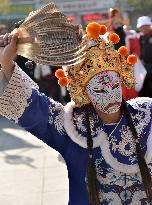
[106, 142]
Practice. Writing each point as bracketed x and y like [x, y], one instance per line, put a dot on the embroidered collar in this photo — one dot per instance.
[74, 123]
[74, 134]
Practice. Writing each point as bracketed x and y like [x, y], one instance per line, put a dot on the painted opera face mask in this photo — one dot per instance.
[104, 91]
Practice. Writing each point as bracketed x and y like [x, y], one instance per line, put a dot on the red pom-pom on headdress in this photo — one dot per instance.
[63, 81]
[103, 29]
[132, 59]
[59, 73]
[114, 38]
[123, 51]
[93, 30]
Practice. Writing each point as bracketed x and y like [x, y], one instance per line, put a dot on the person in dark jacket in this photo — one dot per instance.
[27, 66]
[115, 24]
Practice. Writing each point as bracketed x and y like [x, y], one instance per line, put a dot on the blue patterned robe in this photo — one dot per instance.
[64, 129]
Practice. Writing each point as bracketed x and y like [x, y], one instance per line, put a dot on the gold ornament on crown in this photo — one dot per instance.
[100, 56]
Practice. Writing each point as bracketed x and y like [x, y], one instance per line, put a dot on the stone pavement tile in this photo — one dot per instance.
[27, 144]
[55, 179]
[21, 182]
[20, 199]
[30, 173]
[23, 135]
[55, 198]
[51, 157]
[24, 151]
[55, 191]
[16, 161]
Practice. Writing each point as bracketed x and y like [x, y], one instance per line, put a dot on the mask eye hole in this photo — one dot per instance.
[115, 86]
[99, 90]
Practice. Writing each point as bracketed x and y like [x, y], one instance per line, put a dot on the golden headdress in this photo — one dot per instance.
[100, 56]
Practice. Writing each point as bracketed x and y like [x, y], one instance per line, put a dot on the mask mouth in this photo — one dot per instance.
[111, 105]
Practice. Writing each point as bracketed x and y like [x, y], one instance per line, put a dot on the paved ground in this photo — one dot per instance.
[30, 173]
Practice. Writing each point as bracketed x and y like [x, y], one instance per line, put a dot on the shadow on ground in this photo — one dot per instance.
[10, 142]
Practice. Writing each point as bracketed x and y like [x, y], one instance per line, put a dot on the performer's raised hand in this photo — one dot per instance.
[8, 53]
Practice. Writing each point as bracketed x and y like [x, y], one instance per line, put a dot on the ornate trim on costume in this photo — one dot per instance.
[14, 99]
[138, 196]
[148, 155]
[110, 196]
[3, 82]
[115, 164]
[116, 200]
[71, 130]
[56, 112]
[102, 141]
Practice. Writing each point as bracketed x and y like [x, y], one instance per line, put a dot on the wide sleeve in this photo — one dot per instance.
[21, 102]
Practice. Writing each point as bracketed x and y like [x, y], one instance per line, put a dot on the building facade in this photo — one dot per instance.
[80, 11]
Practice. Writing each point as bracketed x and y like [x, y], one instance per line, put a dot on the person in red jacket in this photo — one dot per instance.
[132, 43]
